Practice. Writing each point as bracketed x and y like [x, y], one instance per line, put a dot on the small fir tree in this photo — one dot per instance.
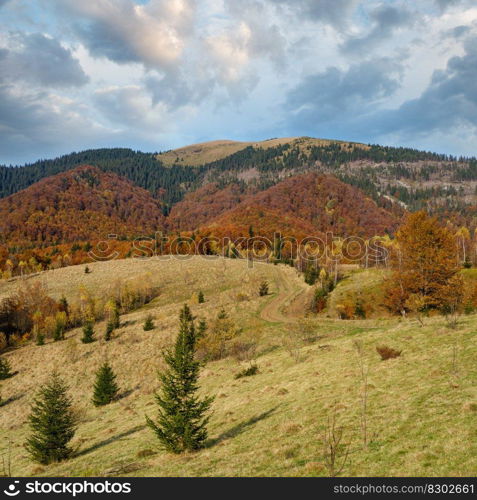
[52, 423]
[148, 324]
[263, 290]
[88, 333]
[40, 339]
[105, 387]
[87, 270]
[5, 369]
[182, 421]
[201, 297]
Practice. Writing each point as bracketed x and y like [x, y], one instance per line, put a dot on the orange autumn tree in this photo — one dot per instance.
[425, 267]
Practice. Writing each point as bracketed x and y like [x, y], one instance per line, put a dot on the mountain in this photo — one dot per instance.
[399, 177]
[81, 204]
[317, 203]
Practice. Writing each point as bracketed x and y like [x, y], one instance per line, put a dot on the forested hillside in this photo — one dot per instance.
[400, 176]
[75, 206]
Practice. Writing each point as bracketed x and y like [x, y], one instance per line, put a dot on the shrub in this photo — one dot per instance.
[264, 289]
[200, 297]
[215, 344]
[87, 270]
[108, 334]
[148, 324]
[5, 369]
[387, 352]
[247, 372]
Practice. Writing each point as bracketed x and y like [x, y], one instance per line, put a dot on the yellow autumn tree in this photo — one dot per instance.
[424, 264]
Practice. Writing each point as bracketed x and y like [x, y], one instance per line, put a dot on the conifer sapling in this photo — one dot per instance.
[88, 333]
[52, 423]
[182, 421]
[105, 387]
[148, 324]
[5, 369]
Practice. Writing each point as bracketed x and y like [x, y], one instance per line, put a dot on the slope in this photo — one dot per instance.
[421, 406]
[81, 204]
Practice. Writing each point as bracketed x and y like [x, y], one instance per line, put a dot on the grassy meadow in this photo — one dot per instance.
[419, 409]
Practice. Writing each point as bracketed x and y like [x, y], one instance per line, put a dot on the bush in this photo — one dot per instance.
[263, 290]
[108, 334]
[5, 369]
[387, 352]
[148, 324]
[247, 372]
[215, 344]
[200, 297]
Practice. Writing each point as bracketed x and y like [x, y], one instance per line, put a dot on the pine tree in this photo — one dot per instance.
[5, 369]
[201, 297]
[88, 333]
[105, 387]
[109, 331]
[181, 424]
[40, 339]
[263, 290]
[52, 423]
[87, 270]
[148, 324]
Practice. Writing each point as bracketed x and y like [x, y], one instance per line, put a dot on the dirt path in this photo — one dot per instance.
[289, 292]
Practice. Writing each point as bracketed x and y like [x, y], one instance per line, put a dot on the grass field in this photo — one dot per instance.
[421, 407]
[199, 154]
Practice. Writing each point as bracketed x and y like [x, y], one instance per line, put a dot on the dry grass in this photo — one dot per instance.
[198, 154]
[421, 407]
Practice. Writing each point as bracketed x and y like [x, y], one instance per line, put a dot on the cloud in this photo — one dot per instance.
[450, 100]
[386, 20]
[446, 4]
[41, 122]
[335, 94]
[153, 34]
[333, 12]
[129, 106]
[40, 60]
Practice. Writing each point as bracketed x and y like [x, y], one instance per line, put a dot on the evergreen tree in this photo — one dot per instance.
[109, 331]
[5, 369]
[181, 424]
[263, 290]
[52, 423]
[148, 324]
[87, 270]
[105, 387]
[88, 333]
[201, 297]
[40, 339]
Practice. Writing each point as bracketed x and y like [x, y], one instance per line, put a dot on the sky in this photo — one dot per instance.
[154, 75]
